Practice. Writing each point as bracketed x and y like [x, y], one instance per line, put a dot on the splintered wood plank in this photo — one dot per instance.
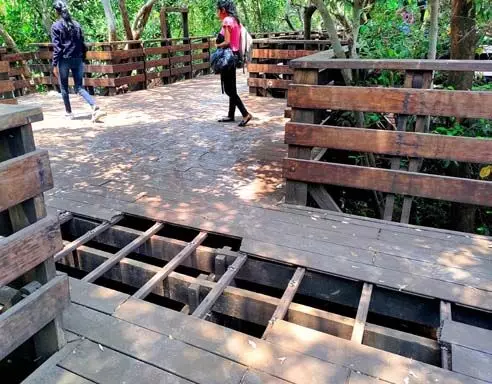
[24, 177]
[115, 259]
[170, 267]
[172, 355]
[472, 363]
[27, 248]
[106, 366]
[69, 248]
[467, 104]
[34, 312]
[286, 300]
[391, 181]
[96, 297]
[18, 115]
[209, 301]
[358, 357]
[412, 144]
[466, 336]
[362, 311]
[257, 354]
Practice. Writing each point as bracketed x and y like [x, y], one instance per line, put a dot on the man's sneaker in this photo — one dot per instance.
[69, 115]
[97, 113]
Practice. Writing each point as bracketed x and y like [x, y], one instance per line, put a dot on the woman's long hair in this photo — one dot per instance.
[229, 7]
[62, 10]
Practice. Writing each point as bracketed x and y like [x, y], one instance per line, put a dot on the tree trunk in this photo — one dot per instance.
[357, 12]
[110, 20]
[142, 18]
[9, 41]
[308, 18]
[434, 29]
[287, 18]
[245, 13]
[463, 44]
[126, 20]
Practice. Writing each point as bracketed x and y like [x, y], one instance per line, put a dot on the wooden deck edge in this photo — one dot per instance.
[17, 115]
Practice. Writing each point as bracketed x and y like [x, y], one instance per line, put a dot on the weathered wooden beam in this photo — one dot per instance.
[69, 248]
[209, 301]
[170, 267]
[286, 300]
[323, 198]
[362, 311]
[33, 313]
[445, 314]
[108, 264]
[254, 307]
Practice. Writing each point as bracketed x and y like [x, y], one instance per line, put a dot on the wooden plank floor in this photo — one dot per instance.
[134, 341]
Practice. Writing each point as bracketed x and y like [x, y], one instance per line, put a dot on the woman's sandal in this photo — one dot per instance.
[245, 121]
[226, 120]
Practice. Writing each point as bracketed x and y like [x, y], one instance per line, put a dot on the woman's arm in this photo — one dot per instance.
[56, 40]
[227, 38]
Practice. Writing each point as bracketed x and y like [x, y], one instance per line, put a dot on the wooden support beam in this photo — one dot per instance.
[65, 217]
[323, 198]
[220, 265]
[286, 300]
[108, 264]
[69, 248]
[445, 311]
[170, 267]
[360, 319]
[256, 308]
[209, 301]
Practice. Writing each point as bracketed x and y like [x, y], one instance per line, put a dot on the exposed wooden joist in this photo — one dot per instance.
[87, 237]
[108, 264]
[170, 267]
[362, 311]
[445, 314]
[286, 300]
[207, 303]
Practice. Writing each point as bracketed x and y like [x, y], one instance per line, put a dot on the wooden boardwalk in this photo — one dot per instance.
[309, 297]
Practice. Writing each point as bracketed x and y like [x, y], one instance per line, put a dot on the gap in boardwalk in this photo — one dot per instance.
[471, 316]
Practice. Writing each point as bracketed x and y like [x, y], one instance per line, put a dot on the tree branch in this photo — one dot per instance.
[142, 18]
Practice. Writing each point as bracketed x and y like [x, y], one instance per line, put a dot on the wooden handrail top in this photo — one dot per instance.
[288, 41]
[319, 61]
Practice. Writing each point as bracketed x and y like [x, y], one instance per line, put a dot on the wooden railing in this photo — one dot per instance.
[269, 72]
[312, 101]
[18, 71]
[6, 85]
[32, 294]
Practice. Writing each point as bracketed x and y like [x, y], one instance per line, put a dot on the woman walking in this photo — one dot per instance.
[68, 55]
[230, 37]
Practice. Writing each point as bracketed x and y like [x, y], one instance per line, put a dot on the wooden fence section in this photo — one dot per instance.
[269, 72]
[6, 85]
[406, 143]
[18, 70]
[32, 295]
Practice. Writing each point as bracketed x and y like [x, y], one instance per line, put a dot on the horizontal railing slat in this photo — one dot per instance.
[397, 143]
[398, 182]
[468, 104]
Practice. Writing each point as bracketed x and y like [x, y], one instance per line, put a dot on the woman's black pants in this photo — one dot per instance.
[228, 78]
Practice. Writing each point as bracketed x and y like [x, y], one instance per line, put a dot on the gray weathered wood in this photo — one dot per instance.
[472, 363]
[286, 300]
[172, 355]
[209, 301]
[362, 311]
[257, 377]
[106, 366]
[96, 297]
[108, 264]
[466, 336]
[87, 237]
[380, 364]
[281, 362]
[27, 248]
[323, 198]
[445, 314]
[30, 315]
[17, 115]
[170, 267]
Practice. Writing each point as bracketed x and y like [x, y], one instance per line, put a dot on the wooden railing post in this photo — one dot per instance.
[296, 192]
